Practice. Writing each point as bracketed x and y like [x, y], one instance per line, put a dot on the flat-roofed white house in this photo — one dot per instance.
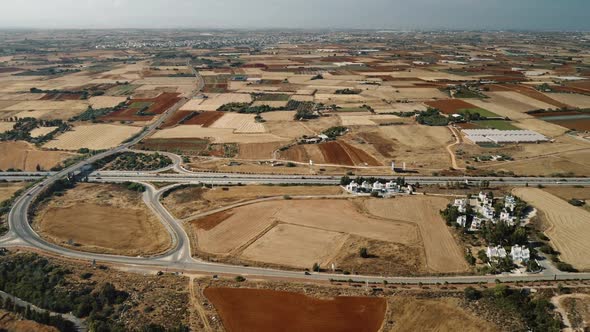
[488, 212]
[520, 254]
[475, 224]
[495, 253]
[462, 221]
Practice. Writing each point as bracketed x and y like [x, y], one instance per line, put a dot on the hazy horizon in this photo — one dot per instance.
[545, 15]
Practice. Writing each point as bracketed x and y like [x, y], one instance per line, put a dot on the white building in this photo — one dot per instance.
[352, 187]
[510, 203]
[488, 212]
[520, 254]
[366, 186]
[496, 253]
[378, 186]
[461, 204]
[462, 221]
[475, 224]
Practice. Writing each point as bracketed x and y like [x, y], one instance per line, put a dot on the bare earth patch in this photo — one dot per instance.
[103, 219]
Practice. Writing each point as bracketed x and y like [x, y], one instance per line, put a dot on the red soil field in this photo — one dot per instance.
[62, 96]
[359, 156]
[579, 124]
[160, 104]
[260, 310]
[468, 126]
[334, 153]
[204, 119]
[175, 119]
[583, 85]
[570, 89]
[545, 114]
[450, 106]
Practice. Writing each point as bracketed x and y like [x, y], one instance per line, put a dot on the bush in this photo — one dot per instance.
[240, 279]
[565, 267]
[364, 253]
[472, 294]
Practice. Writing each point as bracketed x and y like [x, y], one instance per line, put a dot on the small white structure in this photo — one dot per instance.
[378, 186]
[461, 204]
[366, 186]
[488, 212]
[475, 224]
[496, 253]
[510, 203]
[352, 187]
[520, 254]
[482, 196]
[462, 221]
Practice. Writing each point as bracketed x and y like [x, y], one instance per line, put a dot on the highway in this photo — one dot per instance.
[178, 257]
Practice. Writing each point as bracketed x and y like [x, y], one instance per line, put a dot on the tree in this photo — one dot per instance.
[364, 253]
[472, 294]
[316, 267]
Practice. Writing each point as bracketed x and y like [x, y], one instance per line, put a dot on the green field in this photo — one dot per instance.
[496, 124]
[481, 111]
[141, 104]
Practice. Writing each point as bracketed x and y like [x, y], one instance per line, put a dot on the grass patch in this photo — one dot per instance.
[497, 124]
[482, 112]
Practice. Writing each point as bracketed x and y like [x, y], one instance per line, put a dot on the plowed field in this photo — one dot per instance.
[259, 310]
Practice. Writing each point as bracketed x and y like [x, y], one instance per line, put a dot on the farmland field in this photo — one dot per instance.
[241, 123]
[205, 119]
[8, 189]
[94, 137]
[187, 146]
[26, 157]
[496, 124]
[258, 310]
[115, 221]
[453, 106]
[568, 226]
[442, 252]
[188, 201]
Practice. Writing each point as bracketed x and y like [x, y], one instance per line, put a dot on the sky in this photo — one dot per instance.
[311, 14]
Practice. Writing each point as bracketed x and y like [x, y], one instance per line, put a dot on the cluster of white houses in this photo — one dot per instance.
[485, 207]
[487, 213]
[383, 189]
[518, 253]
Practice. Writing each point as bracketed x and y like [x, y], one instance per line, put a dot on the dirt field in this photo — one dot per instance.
[240, 123]
[6, 126]
[115, 221]
[216, 135]
[258, 151]
[8, 189]
[567, 193]
[413, 314]
[568, 226]
[185, 202]
[573, 99]
[42, 131]
[94, 137]
[205, 119]
[105, 101]
[419, 146]
[319, 246]
[24, 156]
[245, 224]
[258, 310]
[334, 153]
[443, 254]
[215, 101]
